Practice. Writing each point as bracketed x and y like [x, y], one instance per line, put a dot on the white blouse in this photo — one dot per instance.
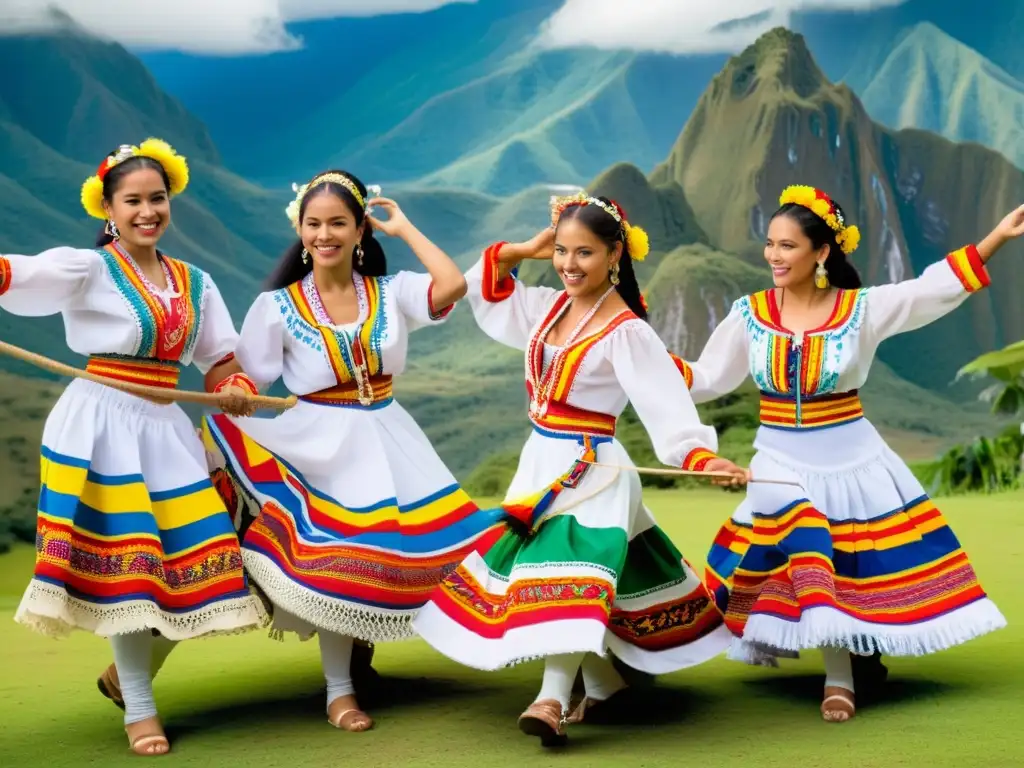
[109, 308]
[836, 357]
[287, 333]
[624, 362]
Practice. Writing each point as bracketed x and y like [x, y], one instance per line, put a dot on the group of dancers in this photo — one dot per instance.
[337, 518]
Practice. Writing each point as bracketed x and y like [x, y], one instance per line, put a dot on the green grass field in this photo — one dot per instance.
[251, 701]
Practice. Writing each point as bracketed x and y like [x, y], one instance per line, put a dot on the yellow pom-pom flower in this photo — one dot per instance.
[848, 237]
[638, 243]
[173, 164]
[92, 197]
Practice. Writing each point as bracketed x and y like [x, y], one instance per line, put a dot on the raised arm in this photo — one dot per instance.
[723, 364]
[504, 307]
[447, 283]
[36, 286]
[941, 288]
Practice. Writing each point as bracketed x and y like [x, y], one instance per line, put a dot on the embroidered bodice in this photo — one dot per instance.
[110, 308]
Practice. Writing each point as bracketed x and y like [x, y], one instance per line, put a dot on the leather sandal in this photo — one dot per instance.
[545, 720]
[149, 743]
[357, 722]
[110, 686]
[838, 705]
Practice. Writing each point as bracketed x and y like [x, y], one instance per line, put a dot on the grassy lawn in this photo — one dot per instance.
[250, 701]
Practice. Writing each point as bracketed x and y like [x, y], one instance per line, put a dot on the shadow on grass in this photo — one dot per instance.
[895, 692]
[385, 694]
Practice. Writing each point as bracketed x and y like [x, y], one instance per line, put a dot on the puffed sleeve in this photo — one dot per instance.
[36, 286]
[414, 293]
[660, 397]
[260, 349]
[505, 309]
[723, 363]
[217, 335]
[912, 304]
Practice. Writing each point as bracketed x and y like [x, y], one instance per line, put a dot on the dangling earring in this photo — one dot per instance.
[615, 274]
[359, 254]
[305, 256]
[821, 276]
[112, 230]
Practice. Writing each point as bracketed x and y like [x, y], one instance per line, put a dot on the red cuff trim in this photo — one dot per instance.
[969, 269]
[697, 459]
[238, 380]
[493, 289]
[435, 315]
[685, 369]
[226, 359]
[5, 275]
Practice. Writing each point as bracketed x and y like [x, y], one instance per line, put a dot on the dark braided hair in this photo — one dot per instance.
[609, 231]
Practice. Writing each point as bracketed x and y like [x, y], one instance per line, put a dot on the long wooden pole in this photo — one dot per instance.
[143, 390]
[669, 472]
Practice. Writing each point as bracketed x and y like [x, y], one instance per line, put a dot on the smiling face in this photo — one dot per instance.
[790, 253]
[140, 206]
[582, 259]
[329, 231]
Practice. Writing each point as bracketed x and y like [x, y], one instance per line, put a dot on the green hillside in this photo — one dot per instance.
[932, 82]
[771, 118]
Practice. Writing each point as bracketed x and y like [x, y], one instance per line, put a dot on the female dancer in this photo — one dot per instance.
[359, 518]
[131, 536]
[858, 558]
[590, 571]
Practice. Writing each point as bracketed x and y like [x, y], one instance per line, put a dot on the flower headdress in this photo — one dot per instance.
[292, 211]
[635, 238]
[847, 235]
[174, 166]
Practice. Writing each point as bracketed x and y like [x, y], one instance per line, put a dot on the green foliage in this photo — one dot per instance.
[985, 464]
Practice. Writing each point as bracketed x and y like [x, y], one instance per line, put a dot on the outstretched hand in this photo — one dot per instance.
[1012, 225]
[740, 476]
[396, 224]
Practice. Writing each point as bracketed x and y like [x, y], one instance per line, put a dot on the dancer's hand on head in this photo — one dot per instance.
[1012, 225]
[740, 476]
[234, 401]
[396, 224]
[542, 245]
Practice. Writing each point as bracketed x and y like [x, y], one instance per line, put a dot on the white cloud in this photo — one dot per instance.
[228, 27]
[678, 26]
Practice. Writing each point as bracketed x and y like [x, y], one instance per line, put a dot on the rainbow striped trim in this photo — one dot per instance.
[5, 275]
[493, 288]
[969, 269]
[347, 395]
[697, 459]
[135, 370]
[814, 412]
[567, 419]
[684, 368]
[345, 358]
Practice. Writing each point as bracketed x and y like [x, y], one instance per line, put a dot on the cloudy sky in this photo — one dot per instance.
[238, 27]
[678, 26]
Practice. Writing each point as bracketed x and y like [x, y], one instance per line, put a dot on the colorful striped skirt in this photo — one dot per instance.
[359, 520]
[131, 534]
[857, 556]
[585, 570]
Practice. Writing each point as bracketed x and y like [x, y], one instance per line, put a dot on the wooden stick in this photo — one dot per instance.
[666, 471]
[142, 390]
